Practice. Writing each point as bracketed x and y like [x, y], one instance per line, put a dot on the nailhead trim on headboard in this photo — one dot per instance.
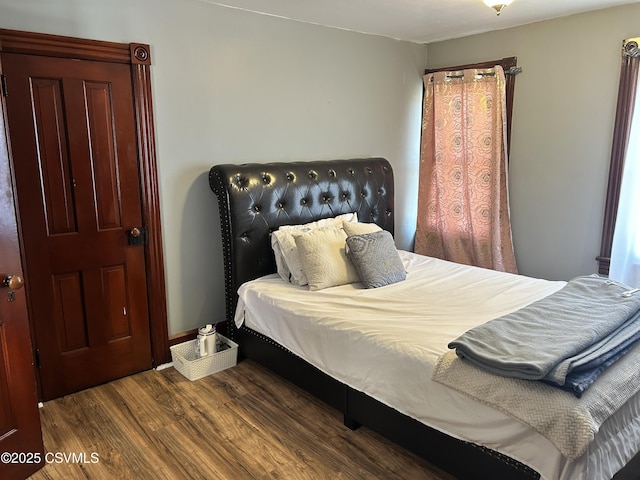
[256, 198]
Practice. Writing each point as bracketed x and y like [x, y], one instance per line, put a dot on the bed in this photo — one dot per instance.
[429, 419]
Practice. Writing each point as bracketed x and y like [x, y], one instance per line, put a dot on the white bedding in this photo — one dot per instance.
[385, 342]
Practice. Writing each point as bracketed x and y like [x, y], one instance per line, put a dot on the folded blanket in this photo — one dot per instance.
[566, 421]
[601, 351]
[546, 340]
[581, 378]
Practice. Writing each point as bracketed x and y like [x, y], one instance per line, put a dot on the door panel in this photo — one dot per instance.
[71, 316]
[103, 160]
[73, 135]
[114, 281]
[56, 173]
[6, 416]
[19, 416]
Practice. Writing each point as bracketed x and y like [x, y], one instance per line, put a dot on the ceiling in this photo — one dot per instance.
[420, 21]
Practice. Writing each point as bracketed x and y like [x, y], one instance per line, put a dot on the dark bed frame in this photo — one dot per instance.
[256, 199]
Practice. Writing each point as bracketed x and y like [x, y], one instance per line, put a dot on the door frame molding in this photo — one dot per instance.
[138, 57]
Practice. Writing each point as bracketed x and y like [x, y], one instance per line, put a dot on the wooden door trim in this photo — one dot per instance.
[30, 43]
[138, 56]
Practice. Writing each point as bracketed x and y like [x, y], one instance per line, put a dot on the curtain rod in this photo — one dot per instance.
[448, 77]
[508, 64]
[630, 47]
[511, 71]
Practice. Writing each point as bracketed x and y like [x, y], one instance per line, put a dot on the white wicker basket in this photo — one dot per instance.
[193, 367]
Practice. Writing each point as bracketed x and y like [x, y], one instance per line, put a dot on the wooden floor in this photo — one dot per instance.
[241, 423]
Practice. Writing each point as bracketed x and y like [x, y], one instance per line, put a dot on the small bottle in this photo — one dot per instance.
[206, 340]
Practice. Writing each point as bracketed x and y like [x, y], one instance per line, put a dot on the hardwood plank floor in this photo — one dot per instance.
[241, 423]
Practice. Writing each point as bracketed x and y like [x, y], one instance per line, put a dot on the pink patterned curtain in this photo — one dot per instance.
[463, 206]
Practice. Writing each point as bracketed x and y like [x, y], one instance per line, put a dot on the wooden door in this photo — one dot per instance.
[73, 140]
[21, 448]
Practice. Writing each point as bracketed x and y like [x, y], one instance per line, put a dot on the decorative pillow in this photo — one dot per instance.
[287, 262]
[356, 228]
[284, 245]
[323, 258]
[376, 259]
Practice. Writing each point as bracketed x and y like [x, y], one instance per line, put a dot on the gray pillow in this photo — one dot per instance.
[376, 259]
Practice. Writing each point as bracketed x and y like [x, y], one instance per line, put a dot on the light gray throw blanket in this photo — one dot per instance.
[550, 337]
[566, 421]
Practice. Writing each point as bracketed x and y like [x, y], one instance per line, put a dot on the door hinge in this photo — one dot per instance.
[37, 358]
[3, 81]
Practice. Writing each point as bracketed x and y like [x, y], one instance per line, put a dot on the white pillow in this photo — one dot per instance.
[354, 228]
[324, 260]
[286, 252]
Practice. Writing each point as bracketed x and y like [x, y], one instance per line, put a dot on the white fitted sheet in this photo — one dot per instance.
[385, 342]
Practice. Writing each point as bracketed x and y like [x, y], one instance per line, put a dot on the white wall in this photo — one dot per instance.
[231, 87]
[562, 130]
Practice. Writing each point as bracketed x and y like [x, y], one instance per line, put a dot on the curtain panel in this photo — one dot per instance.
[625, 249]
[463, 206]
[627, 90]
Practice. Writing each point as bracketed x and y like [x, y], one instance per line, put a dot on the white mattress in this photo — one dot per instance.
[385, 341]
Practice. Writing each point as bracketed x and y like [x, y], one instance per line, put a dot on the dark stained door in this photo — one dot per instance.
[73, 140]
[19, 416]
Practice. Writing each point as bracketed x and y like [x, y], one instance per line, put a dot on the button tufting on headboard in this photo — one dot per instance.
[256, 199]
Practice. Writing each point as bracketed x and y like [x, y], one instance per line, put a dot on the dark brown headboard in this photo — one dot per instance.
[257, 198]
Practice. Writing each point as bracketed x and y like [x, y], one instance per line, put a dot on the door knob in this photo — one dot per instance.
[138, 236]
[14, 282]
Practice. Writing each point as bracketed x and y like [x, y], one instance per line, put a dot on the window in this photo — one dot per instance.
[509, 65]
[463, 213]
[621, 135]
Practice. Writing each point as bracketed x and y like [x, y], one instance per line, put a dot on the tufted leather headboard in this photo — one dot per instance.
[256, 198]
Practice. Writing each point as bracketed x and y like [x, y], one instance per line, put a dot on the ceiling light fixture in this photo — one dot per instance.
[497, 6]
